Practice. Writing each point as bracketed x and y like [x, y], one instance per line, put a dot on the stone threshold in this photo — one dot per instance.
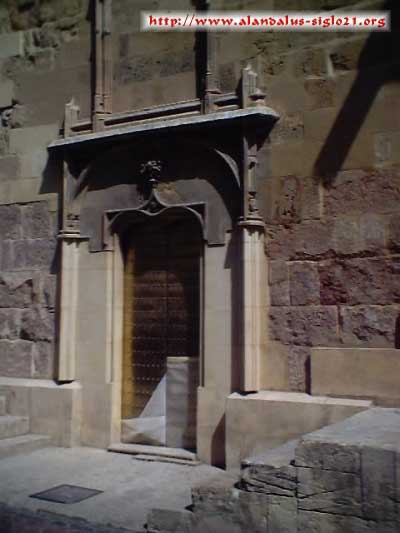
[154, 451]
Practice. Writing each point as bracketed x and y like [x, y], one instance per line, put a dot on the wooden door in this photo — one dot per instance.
[161, 315]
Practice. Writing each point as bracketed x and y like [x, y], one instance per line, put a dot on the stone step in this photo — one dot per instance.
[171, 460]
[23, 444]
[2, 405]
[12, 426]
[160, 451]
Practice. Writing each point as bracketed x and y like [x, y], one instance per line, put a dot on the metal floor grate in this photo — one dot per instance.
[66, 494]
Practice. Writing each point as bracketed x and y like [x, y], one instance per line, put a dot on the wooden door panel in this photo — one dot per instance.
[161, 316]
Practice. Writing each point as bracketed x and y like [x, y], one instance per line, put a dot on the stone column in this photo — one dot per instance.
[254, 305]
[68, 305]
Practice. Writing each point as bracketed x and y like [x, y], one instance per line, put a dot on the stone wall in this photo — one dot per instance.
[44, 62]
[27, 290]
[330, 188]
[329, 180]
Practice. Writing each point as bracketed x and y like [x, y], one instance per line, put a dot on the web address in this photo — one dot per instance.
[268, 20]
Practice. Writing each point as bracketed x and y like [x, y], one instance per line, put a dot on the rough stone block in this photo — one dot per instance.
[28, 254]
[373, 232]
[16, 289]
[24, 140]
[282, 515]
[347, 236]
[36, 223]
[253, 510]
[310, 62]
[289, 128]
[304, 283]
[50, 291]
[279, 283]
[394, 233]
[369, 326]
[33, 164]
[307, 326]
[37, 324]
[298, 362]
[285, 416]
[360, 281]
[327, 456]
[10, 222]
[43, 360]
[321, 91]
[16, 358]
[9, 168]
[11, 44]
[379, 484]
[329, 491]
[360, 191]
[6, 92]
[356, 372]
[316, 522]
[271, 472]
[307, 240]
[9, 323]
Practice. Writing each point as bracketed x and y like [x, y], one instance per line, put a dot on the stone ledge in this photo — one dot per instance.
[357, 373]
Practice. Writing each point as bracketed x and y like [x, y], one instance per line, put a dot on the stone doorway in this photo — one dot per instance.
[161, 337]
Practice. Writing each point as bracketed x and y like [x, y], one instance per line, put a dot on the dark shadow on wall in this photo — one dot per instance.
[379, 63]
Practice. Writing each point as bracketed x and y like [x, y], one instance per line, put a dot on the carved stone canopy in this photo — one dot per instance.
[190, 160]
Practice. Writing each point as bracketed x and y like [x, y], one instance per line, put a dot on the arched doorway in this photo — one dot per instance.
[161, 347]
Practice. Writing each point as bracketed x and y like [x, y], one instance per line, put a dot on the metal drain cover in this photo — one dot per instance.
[66, 494]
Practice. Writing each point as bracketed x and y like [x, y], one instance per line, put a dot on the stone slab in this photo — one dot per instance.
[181, 398]
[265, 420]
[357, 372]
[22, 444]
[52, 409]
[13, 426]
[161, 451]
